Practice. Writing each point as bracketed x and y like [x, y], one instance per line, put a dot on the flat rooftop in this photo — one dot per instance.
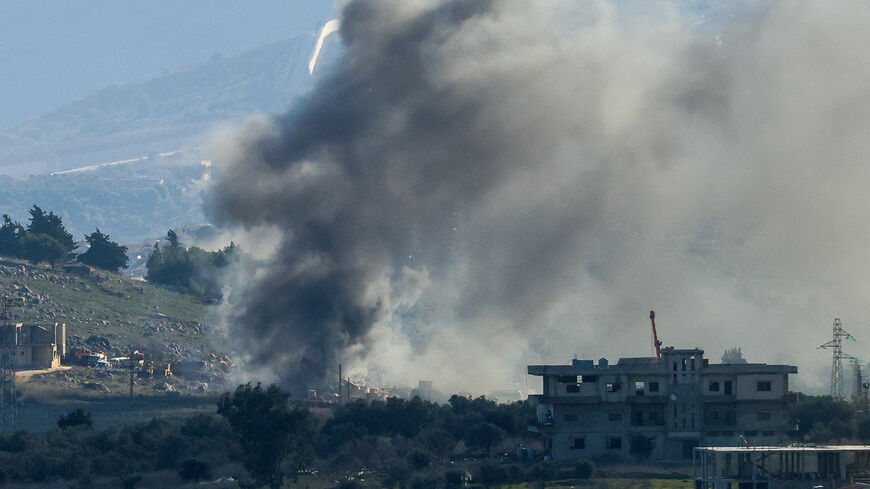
[791, 448]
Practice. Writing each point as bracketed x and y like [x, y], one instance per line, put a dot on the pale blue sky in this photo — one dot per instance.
[55, 51]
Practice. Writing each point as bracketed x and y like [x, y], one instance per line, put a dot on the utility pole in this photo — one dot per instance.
[8, 341]
[132, 371]
[836, 347]
[340, 397]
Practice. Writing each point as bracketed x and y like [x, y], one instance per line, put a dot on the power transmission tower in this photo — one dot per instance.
[836, 347]
[8, 341]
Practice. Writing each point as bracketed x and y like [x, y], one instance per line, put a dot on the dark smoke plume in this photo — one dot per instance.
[486, 183]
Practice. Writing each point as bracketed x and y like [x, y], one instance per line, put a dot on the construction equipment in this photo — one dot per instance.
[656, 342]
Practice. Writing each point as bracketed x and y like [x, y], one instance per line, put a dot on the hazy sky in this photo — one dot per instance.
[55, 51]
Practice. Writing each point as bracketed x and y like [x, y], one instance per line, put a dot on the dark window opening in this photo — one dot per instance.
[570, 417]
[684, 365]
[587, 378]
[614, 443]
[767, 433]
[572, 388]
[568, 379]
[653, 386]
[764, 386]
[614, 416]
[751, 433]
[613, 387]
[727, 387]
[579, 444]
[714, 386]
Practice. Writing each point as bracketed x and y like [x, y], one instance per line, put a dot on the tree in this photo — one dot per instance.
[43, 248]
[483, 435]
[277, 439]
[103, 253]
[733, 355]
[77, 417]
[11, 235]
[46, 239]
[50, 224]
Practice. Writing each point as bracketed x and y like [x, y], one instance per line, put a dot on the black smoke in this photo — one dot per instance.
[484, 183]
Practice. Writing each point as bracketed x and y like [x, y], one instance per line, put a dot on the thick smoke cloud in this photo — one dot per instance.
[490, 183]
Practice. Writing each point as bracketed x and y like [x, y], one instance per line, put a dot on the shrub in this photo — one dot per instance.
[583, 469]
[194, 470]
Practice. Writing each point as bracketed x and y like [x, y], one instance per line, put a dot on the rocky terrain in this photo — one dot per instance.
[109, 313]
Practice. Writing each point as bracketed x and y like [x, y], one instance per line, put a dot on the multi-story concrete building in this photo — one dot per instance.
[663, 407]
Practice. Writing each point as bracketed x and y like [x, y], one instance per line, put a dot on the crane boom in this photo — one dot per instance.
[656, 342]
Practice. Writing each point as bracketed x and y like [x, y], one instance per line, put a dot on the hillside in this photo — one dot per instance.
[159, 114]
[110, 310]
[132, 202]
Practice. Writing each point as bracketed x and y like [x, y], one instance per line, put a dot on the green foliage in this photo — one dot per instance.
[583, 469]
[484, 436]
[815, 417]
[490, 474]
[190, 270]
[194, 470]
[77, 417]
[277, 439]
[43, 248]
[45, 239]
[103, 253]
[11, 236]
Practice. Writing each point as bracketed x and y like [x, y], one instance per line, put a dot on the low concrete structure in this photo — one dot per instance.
[658, 408]
[774, 467]
[37, 346]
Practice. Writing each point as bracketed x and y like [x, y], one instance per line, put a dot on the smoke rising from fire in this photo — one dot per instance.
[490, 183]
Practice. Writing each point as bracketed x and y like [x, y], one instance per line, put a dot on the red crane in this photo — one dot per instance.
[656, 342]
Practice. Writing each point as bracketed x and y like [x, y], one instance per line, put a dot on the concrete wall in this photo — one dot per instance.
[747, 386]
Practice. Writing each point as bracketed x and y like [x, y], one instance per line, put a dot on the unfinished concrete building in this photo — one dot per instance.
[792, 467]
[660, 408]
[37, 346]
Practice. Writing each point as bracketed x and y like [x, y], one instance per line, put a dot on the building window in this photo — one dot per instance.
[654, 417]
[713, 433]
[614, 443]
[579, 444]
[586, 378]
[567, 379]
[714, 386]
[751, 433]
[727, 387]
[614, 416]
[767, 433]
[653, 386]
[764, 386]
[570, 417]
[763, 415]
[572, 388]
[613, 387]
[639, 387]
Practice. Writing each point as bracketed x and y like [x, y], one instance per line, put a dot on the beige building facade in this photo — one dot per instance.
[37, 346]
